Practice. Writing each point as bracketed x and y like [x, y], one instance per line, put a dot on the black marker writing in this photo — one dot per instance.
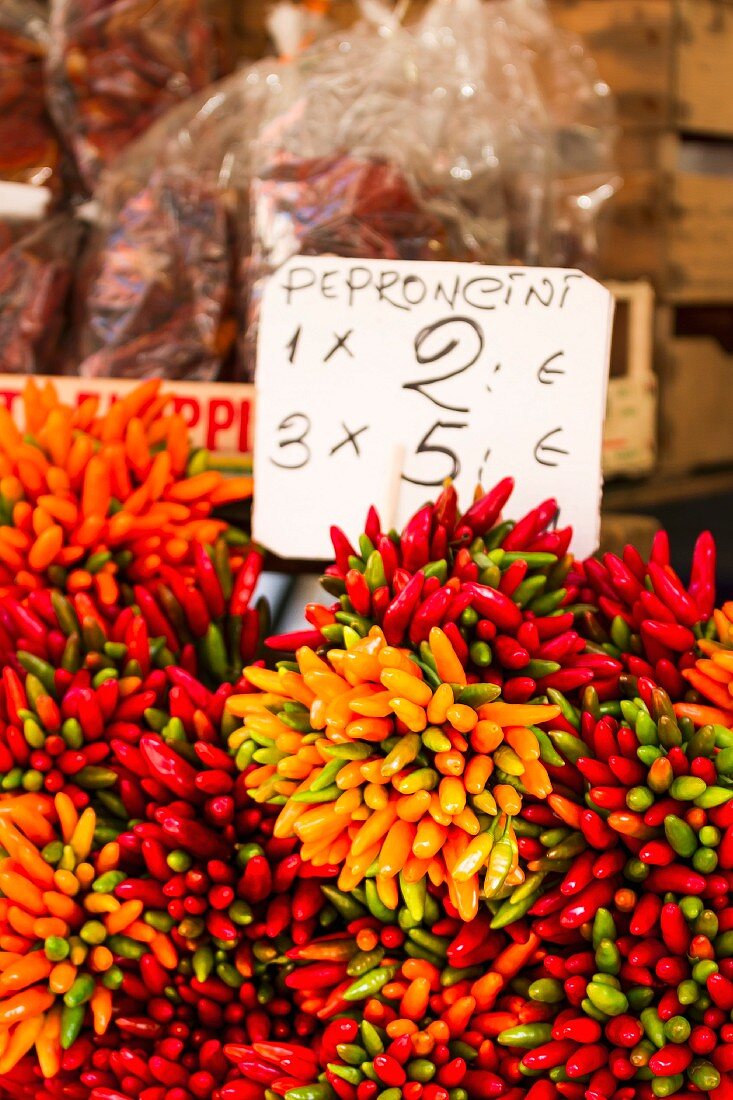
[569, 279]
[341, 345]
[496, 370]
[533, 292]
[292, 347]
[546, 374]
[459, 328]
[486, 458]
[290, 423]
[350, 437]
[426, 447]
[543, 449]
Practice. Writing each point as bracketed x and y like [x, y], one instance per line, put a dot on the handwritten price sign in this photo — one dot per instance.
[376, 381]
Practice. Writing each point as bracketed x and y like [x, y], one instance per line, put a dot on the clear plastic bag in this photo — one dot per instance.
[582, 118]
[480, 133]
[36, 269]
[411, 143]
[117, 65]
[29, 148]
[350, 160]
[157, 293]
[161, 289]
[490, 129]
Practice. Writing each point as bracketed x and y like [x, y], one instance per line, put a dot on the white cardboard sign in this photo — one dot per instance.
[377, 380]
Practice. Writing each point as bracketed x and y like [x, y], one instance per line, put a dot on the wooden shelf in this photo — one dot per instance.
[653, 491]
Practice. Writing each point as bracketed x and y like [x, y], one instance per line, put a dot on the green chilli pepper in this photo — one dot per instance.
[526, 1036]
[370, 984]
[608, 1000]
[72, 1018]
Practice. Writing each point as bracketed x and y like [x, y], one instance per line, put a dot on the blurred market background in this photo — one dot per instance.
[159, 157]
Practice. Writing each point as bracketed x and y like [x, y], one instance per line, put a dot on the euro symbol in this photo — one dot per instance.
[547, 374]
[544, 450]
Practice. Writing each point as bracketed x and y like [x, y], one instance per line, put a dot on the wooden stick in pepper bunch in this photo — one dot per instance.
[493, 586]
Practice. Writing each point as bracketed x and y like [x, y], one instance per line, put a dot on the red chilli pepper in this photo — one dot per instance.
[668, 587]
[246, 581]
[495, 606]
[720, 989]
[400, 611]
[586, 1060]
[676, 879]
[342, 548]
[193, 837]
[703, 574]
[549, 1055]
[670, 1060]
[483, 514]
[645, 915]
[673, 635]
[169, 768]
[415, 540]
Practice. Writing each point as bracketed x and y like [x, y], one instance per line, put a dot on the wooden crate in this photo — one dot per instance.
[673, 223]
[669, 63]
[632, 42]
[704, 63]
[699, 256]
[632, 229]
[630, 434]
[695, 361]
[619, 529]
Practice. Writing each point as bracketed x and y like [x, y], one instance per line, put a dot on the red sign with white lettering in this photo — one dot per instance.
[219, 414]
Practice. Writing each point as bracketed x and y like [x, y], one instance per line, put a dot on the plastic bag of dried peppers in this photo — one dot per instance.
[390, 142]
[159, 291]
[29, 149]
[35, 276]
[116, 65]
[157, 294]
[157, 287]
